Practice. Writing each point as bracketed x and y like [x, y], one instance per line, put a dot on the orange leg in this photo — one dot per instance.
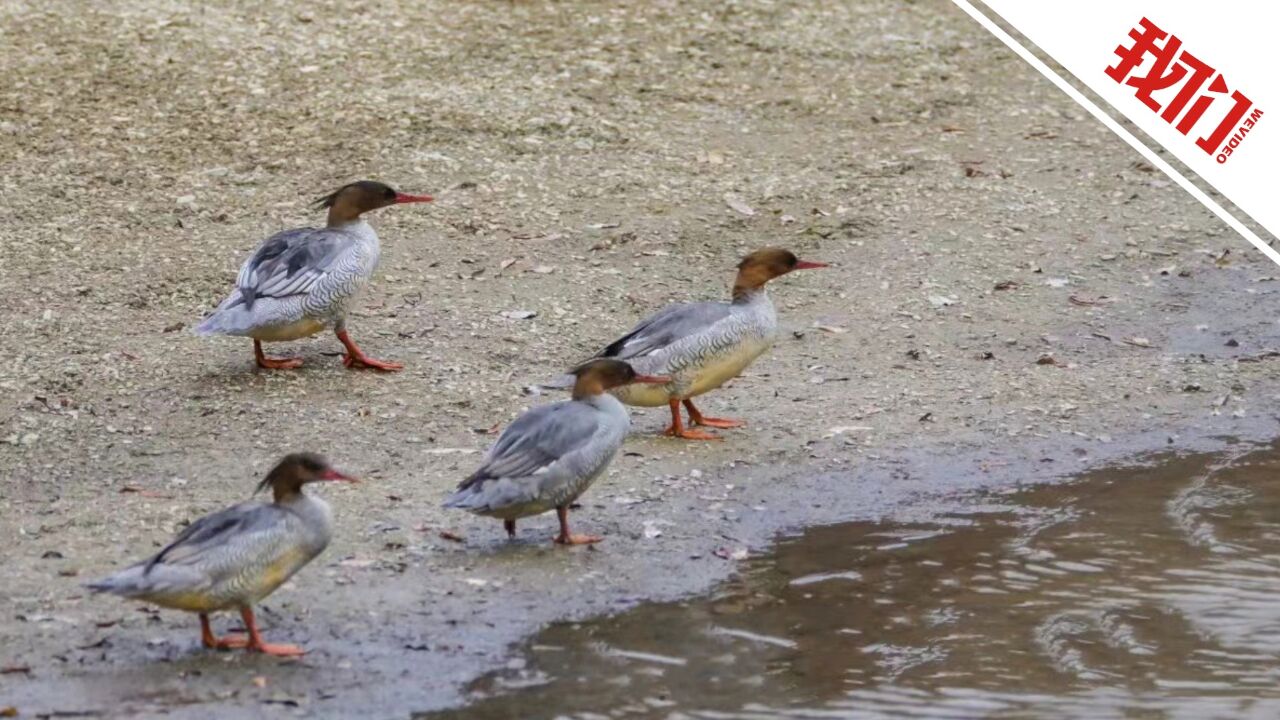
[355, 357]
[678, 429]
[698, 418]
[567, 538]
[269, 363]
[510, 526]
[255, 639]
[211, 641]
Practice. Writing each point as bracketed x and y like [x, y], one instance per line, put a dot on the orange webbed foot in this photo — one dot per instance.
[230, 642]
[690, 434]
[270, 363]
[723, 423]
[697, 418]
[357, 360]
[278, 650]
[362, 362]
[256, 644]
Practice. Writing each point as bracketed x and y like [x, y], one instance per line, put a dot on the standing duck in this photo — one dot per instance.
[551, 454]
[703, 345]
[238, 556]
[301, 281]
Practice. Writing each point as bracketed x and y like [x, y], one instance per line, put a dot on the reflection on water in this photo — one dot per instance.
[1135, 593]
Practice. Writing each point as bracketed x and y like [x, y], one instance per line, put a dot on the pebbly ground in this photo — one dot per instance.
[1014, 296]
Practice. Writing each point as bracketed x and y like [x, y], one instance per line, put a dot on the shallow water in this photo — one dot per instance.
[1149, 592]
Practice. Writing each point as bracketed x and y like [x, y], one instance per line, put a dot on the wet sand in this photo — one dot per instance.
[1008, 285]
[1144, 591]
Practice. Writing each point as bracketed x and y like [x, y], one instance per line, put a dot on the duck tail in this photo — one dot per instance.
[461, 500]
[125, 583]
[148, 583]
[211, 325]
[486, 495]
[226, 321]
[234, 316]
[98, 586]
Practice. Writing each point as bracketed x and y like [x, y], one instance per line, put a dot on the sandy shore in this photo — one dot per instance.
[1011, 284]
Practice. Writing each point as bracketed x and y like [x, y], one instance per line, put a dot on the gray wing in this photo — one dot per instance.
[207, 540]
[665, 328]
[536, 440]
[289, 263]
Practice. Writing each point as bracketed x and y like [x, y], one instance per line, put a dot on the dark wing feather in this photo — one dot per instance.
[535, 440]
[213, 530]
[664, 328]
[290, 263]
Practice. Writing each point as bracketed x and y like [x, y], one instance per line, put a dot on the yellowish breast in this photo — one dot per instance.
[305, 327]
[189, 601]
[643, 395]
[720, 369]
[274, 575]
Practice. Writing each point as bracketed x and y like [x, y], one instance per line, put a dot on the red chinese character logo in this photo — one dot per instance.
[1168, 68]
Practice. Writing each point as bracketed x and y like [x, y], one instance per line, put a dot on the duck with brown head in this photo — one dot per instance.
[234, 558]
[701, 346]
[298, 282]
[551, 454]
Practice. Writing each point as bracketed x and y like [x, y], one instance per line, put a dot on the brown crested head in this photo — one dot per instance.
[765, 264]
[295, 470]
[351, 201]
[596, 376]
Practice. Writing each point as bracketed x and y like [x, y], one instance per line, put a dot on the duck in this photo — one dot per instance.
[301, 281]
[548, 456]
[703, 345]
[235, 557]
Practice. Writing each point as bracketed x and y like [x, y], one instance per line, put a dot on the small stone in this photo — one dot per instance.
[737, 205]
